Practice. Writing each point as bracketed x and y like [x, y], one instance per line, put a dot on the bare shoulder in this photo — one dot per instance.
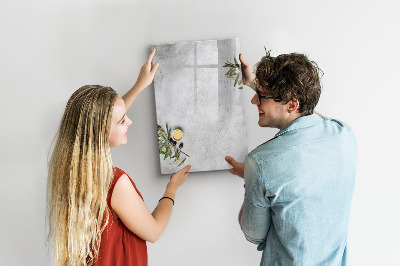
[123, 181]
[124, 191]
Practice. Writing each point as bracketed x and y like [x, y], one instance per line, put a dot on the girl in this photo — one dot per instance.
[96, 214]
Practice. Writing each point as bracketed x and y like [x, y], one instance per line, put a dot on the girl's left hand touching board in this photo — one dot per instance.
[146, 74]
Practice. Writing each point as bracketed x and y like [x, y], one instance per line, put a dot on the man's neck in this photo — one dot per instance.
[289, 120]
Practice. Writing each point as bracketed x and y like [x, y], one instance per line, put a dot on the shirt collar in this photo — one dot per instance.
[301, 122]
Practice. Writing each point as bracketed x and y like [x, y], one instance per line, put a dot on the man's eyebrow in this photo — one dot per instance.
[121, 118]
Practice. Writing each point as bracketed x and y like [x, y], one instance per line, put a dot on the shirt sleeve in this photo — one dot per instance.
[256, 216]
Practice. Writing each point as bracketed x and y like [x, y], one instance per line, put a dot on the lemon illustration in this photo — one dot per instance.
[177, 134]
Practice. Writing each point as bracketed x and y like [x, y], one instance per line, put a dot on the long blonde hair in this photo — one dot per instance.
[80, 174]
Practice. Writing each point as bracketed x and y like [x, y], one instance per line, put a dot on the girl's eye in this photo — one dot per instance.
[123, 121]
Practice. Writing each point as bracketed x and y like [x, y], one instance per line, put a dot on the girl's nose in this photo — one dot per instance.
[129, 122]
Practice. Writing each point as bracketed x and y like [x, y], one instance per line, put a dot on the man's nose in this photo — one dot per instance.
[254, 100]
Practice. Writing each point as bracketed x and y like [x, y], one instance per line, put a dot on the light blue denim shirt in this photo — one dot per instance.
[298, 190]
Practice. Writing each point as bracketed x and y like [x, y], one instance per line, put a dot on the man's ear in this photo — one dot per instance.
[293, 105]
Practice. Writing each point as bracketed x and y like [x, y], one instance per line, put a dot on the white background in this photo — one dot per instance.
[48, 49]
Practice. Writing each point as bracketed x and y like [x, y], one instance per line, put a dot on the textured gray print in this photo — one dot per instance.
[193, 94]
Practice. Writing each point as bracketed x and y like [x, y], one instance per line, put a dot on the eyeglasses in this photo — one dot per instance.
[276, 99]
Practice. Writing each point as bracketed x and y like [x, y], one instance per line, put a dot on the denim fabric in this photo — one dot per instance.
[298, 191]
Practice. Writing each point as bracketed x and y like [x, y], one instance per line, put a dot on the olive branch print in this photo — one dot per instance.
[234, 72]
[166, 145]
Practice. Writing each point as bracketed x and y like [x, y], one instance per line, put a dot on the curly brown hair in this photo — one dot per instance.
[290, 77]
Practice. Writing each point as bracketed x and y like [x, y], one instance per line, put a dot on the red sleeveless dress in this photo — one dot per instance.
[119, 246]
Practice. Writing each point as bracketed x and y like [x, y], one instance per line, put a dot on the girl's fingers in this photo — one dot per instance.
[154, 68]
[185, 169]
[151, 56]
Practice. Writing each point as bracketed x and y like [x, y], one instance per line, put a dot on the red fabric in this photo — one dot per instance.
[119, 246]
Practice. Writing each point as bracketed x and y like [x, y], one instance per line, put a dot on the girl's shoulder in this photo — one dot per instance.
[118, 172]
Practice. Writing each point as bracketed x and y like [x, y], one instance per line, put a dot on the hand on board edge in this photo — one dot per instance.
[146, 74]
[248, 75]
[238, 168]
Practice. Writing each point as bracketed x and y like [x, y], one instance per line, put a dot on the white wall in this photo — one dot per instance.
[49, 49]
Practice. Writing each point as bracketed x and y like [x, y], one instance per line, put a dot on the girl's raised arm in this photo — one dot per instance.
[145, 78]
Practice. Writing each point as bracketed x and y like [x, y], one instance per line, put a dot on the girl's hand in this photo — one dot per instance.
[179, 178]
[146, 74]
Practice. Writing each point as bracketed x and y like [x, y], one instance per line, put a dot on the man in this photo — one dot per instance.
[299, 184]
